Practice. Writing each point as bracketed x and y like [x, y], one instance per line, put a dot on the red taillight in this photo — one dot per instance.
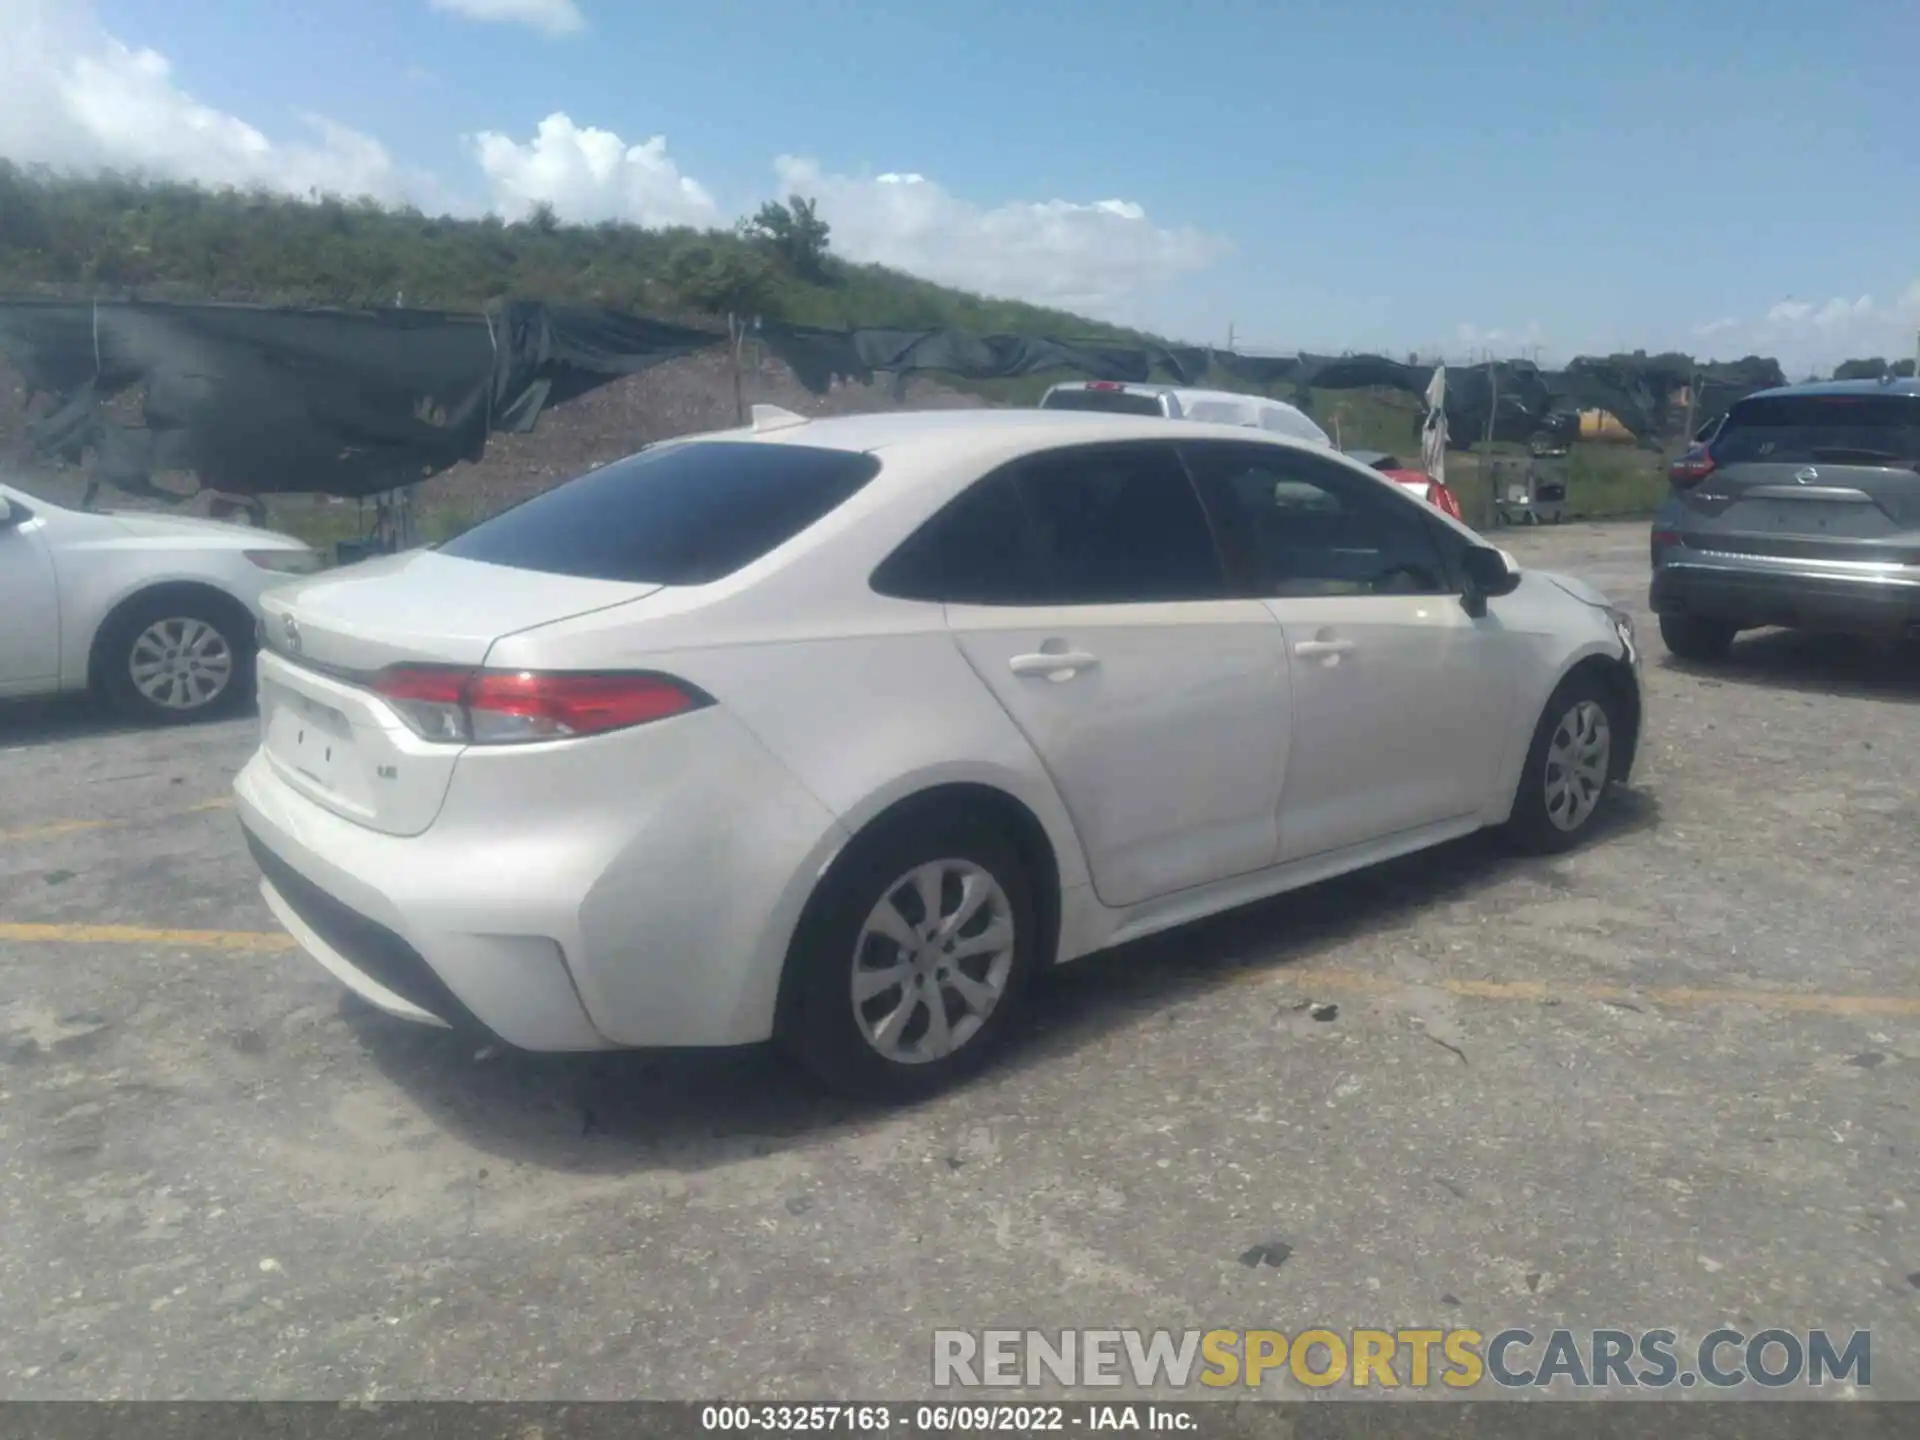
[576, 704]
[1691, 468]
[1105, 385]
[1664, 538]
[508, 707]
[435, 684]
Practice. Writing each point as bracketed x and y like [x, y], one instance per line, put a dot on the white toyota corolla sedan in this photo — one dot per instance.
[836, 731]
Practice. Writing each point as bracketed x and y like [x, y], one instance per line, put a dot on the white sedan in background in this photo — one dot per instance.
[836, 731]
[156, 613]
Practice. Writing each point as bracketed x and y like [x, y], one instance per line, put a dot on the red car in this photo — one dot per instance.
[1434, 492]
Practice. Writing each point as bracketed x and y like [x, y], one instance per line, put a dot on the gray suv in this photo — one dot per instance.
[1802, 510]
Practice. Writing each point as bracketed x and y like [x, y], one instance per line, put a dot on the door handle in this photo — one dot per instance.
[1312, 649]
[1061, 665]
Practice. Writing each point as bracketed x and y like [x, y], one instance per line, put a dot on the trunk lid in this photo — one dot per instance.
[423, 606]
[1816, 477]
[329, 735]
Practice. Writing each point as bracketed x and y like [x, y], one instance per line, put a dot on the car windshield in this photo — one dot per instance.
[1112, 402]
[678, 515]
[1837, 429]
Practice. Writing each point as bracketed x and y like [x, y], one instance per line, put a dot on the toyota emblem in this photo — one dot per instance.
[290, 632]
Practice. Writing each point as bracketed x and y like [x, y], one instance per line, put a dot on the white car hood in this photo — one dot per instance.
[1578, 589]
[171, 527]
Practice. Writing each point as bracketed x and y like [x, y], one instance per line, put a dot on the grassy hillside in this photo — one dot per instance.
[120, 236]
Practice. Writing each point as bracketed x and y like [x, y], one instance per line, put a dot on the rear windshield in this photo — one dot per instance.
[1111, 402]
[1836, 429]
[680, 515]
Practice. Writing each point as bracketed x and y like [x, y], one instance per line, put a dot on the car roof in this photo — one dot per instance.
[1902, 386]
[1181, 392]
[993, 431]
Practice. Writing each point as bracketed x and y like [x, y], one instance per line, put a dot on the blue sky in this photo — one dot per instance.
[1701, 175]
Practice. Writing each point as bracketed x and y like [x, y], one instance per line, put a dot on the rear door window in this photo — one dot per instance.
[1817, 429]
[1119, 524]
[977, 551]
[1092, 525]
[685, 514]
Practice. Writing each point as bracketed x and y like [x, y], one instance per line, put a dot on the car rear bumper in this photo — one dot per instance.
[645, 904]
[1751, 591]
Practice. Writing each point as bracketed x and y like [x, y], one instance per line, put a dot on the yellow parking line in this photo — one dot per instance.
[71, 827]
[58, 827]
[142, 935]
[1532, 992]
[1526, 992]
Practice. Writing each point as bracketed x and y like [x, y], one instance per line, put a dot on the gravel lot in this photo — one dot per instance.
[1660, 1082]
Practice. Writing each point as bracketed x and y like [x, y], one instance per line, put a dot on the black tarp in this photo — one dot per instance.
[550, 354]
[268, 401]
[819, 357]
[256, 400]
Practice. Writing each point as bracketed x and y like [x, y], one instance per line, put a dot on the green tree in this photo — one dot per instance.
[723, 280]
[1874, 369]
[796, 233]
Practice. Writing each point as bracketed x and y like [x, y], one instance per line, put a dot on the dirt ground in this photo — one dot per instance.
[1662, 1081]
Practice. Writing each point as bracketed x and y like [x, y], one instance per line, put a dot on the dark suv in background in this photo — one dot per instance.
[1802, 510]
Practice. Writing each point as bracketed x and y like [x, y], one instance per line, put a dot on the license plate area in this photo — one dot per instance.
[309, 737]
[1837, 518]
[1809, 515]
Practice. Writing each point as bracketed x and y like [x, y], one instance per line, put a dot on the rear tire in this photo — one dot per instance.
[172, 659]
[871, 960]
[1568, 777]
[1688, 637]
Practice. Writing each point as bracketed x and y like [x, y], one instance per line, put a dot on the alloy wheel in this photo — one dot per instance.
[1578, 757]
[181, 663]
[932, 961]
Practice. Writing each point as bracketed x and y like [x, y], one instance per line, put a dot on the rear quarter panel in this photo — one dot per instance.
[865, 711]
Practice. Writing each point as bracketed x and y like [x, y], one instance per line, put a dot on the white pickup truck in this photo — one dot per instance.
[1178, 402]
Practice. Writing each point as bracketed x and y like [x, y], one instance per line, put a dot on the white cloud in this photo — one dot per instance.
[76, 97]
[1818, 334]
[73, 96]
[589, 175]
[1835, 315]
[1096, 257]
[555, 17]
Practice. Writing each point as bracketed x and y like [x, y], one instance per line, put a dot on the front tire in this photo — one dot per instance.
[914, 960]
[174, 659]
[1567, 781]
[1688, 637]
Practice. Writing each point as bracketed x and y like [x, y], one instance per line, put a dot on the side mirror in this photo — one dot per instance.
[13, 515]
[1489, 574]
